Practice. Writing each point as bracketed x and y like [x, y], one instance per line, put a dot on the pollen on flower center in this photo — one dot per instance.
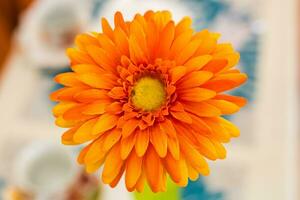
[148, 94]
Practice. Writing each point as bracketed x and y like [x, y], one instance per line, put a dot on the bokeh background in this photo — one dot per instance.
[262, 164]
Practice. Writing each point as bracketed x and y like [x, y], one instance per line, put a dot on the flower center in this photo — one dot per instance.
[148, 93]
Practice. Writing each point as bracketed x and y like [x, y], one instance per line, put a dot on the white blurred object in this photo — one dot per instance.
[228, 26]
[50, 26]
[249, 5]
[44, 168]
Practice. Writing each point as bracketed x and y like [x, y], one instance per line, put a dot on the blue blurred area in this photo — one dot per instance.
[2, 186]
[97, 5]
[207, 11]
[198, 191]
[248, 63]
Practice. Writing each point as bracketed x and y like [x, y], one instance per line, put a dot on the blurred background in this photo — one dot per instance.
[262, 164]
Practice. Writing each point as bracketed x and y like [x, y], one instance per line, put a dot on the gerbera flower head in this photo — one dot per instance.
[148, 96]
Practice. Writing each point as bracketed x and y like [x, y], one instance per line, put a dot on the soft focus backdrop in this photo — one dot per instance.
[262, 164]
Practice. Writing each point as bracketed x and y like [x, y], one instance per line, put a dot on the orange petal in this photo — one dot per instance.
[187, 52]
[193, 174]
[225, 107]
[232, 59]
[177, 106]
[196, 63]
[66, 93]
[185, 131]
[208, 45]
[62, 107]
[82, 154]
[121, 41]
[96, 80]
[167, 128]
[176, 73]
[196, 94]
[182, 116]
[142, 141]
[110, 48]
[236, 77]
[119, 21]
[133, 170]
[224, 47]
[225, 82]
[179, 43]
[220, 149]
[148, 14]
[172, 167]
[68, 79]
[231, 71]
[152, 38]
[93, 167]
[115, 182]
[113, 164]
[230, 127]
[111, 139]
[87, 68]
[84, 133]
[67, 137]
[79, 57]
[141, 20]
[215, 65]
[96, 152]
[61, 122]
[95, 108]
[91, 95]
[159, 141]
[114, 108]
[127, 145]
[121, 122]
[141, 182]
[129, 127]
[220, 85]
[105, 123]
[194, 79]
[219, 132]
[117, 93]
[193, 157]
[206, 147]
[107, 30]
[173, 147]
[75, 113]
[137, 54]
[102, 58]
[199, 125]
[161, 18]
[167, 37]
[84, 40]
[184, 25]
[137, 31]
[201, 109]
[240, 101]
[184, 172]
[153, 169]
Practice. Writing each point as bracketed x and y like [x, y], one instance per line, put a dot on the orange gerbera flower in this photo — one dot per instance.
[148, 94]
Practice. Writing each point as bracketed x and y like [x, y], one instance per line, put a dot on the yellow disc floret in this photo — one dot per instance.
[148, 94]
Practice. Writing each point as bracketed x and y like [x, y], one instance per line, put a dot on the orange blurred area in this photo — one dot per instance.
[10, 11]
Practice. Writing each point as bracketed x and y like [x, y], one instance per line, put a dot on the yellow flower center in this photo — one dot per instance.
[148, 94]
